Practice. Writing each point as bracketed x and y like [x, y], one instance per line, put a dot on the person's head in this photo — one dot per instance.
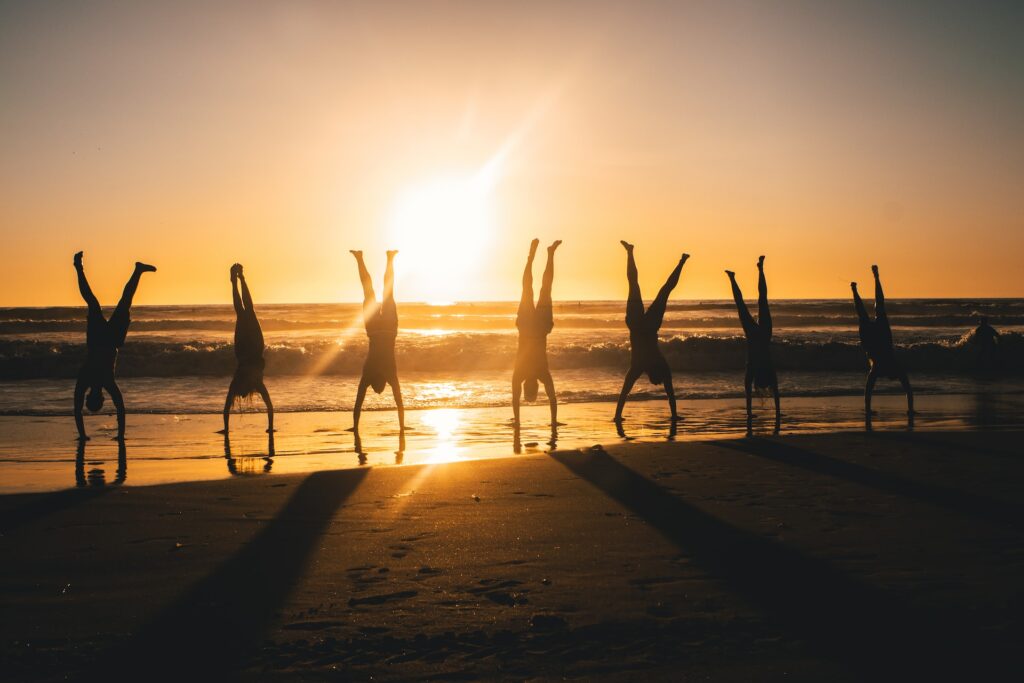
[530, 387]
[94, 400]
[658, 372]
[378, 384]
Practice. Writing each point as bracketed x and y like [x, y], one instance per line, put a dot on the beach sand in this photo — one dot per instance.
[809, 557]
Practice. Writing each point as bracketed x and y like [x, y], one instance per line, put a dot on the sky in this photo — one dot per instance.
[826, 135]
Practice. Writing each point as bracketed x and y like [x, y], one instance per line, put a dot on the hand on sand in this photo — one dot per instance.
[78, 259]
[352, 429]
[82, 437]
[557, 424]
[271, 431]
[221, 431]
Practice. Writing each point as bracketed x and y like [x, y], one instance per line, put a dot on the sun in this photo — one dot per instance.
[442, 227]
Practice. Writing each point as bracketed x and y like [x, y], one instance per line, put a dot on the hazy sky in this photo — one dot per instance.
[827, 135]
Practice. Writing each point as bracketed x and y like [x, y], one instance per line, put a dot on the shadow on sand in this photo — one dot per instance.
[873, 632]
[961, 502]
[216, 625]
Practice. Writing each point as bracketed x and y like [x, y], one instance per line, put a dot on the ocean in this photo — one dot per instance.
[455, 363]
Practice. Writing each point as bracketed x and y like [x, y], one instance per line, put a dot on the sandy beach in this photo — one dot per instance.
[810, 557]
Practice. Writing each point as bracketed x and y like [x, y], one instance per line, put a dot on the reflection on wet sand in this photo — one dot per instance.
[249, 464]
[97, 476]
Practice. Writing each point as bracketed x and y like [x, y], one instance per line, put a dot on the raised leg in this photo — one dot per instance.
[656, 311]
[389, 309]
[632, 375]
[246, 296]
[544, 303]
[764, 314]
[83, 286]
[369, 298]
[526, 307]
[125, 304]
[236, 298]
[879, 295]
[746, 320]
[634, 301]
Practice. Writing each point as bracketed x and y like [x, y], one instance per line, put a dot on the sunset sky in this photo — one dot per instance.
[826, 135]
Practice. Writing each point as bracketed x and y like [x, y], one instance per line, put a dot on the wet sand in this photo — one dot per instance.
[40, 453]
[809, 557]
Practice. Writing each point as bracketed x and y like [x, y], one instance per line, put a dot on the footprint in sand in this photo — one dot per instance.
[382, 598]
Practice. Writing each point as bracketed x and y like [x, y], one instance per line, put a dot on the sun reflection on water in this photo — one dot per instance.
[445, 423]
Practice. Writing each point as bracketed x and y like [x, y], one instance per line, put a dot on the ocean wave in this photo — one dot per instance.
[31, 359]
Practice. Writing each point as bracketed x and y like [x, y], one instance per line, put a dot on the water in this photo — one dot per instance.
[178, 358]
[455, 363]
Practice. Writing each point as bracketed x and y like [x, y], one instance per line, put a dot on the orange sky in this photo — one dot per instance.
[828, 136]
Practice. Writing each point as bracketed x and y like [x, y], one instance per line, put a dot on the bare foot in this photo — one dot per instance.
[78, 259]
[144, 267]
[874, 270]
[554, 245]
[391, 253]
[627, 245]
[731, 274]
[853, 286]
[358, 253]
[760, 261]
[682, 259]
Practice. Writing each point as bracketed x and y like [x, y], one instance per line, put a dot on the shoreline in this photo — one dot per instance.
[841, 556]
[42, 454]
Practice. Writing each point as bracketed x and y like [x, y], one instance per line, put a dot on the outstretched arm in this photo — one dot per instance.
[83, 286]
[671, 397]
[115, 396]
[270, 407]
[358, 409]
[549, 389]
[227, 409]
[80, 389]
[627, 384]
[517, 392]
[396, 391]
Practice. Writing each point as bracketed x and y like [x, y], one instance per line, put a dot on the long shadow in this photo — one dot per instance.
[214, 628]
[873, 632]
[962, 502]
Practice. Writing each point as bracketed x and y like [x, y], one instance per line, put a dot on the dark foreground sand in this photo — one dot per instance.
[823, 557]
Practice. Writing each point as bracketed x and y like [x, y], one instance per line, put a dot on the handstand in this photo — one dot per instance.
[760, 369]
[103, 338]
[249, 348]
[645, 356]
[381, 321]
[876, 339]
[534, 324]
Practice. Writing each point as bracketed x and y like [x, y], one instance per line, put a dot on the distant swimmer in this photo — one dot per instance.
[249, 347]
[645, 356]
[534, 324]
[103, 338]
[760, 369]
[876, 339]
[381, 321]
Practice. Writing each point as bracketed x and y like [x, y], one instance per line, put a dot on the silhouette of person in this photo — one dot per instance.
[876, 339]
[645, 356]
[534, 324]
[381, 321]
[249, 346]
[985, 341]
[103, 339]
[760, 369]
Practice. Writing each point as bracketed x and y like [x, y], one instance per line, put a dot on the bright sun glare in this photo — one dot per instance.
[443, 227]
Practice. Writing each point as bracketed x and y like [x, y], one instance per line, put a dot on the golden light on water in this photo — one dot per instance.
[445, 423]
